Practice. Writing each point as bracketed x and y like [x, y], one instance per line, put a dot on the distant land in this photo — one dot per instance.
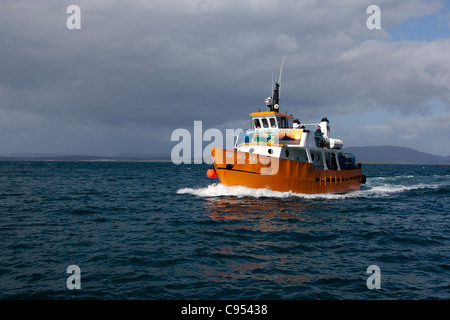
[61, 157]
[394, 154]
[374, 154]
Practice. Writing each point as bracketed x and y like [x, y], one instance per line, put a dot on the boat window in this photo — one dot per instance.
[257, 124]
[265, 123]
[240, 139]
[333, 162]
[244, 137]
[302, 155]
[283, 122]
[273, 123]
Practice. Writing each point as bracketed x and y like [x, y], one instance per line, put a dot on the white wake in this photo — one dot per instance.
[377, 189]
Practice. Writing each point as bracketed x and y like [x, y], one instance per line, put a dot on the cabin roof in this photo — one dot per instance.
[269, 113]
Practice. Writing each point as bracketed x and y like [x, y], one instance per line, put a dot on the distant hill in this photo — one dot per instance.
[59, 157]
[395, 154]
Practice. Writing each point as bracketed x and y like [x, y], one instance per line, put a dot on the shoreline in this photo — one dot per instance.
[402, 163]
[166, 160]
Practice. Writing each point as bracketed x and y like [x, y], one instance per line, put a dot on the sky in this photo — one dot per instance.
[138, 70]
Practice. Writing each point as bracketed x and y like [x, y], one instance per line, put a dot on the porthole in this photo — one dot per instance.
[251, 150]
[270, 151]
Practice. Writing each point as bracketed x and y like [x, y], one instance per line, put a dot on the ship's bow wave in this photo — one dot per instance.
[375, 188]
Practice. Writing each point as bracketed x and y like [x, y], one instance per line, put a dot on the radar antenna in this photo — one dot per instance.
[273, 102]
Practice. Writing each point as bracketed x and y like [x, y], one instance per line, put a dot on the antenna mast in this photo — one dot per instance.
[281, 68]
[276, 91]
[273, 102]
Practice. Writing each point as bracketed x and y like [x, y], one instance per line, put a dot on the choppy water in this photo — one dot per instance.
[161, 231]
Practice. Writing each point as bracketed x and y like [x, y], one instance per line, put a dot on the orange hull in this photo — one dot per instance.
[235, 168]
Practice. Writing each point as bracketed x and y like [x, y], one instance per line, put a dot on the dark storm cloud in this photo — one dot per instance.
[160, 65]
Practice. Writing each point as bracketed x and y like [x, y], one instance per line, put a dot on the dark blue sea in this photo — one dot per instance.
[160, 231]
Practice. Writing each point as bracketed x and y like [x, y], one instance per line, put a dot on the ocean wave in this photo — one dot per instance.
[219, 190]
[367, 191]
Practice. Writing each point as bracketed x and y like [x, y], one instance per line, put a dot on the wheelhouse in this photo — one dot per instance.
[271, 120]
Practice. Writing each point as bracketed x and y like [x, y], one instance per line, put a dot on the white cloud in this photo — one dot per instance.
[286, 43]
[427, 133]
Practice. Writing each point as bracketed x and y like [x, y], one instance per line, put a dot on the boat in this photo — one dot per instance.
[281, 154]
